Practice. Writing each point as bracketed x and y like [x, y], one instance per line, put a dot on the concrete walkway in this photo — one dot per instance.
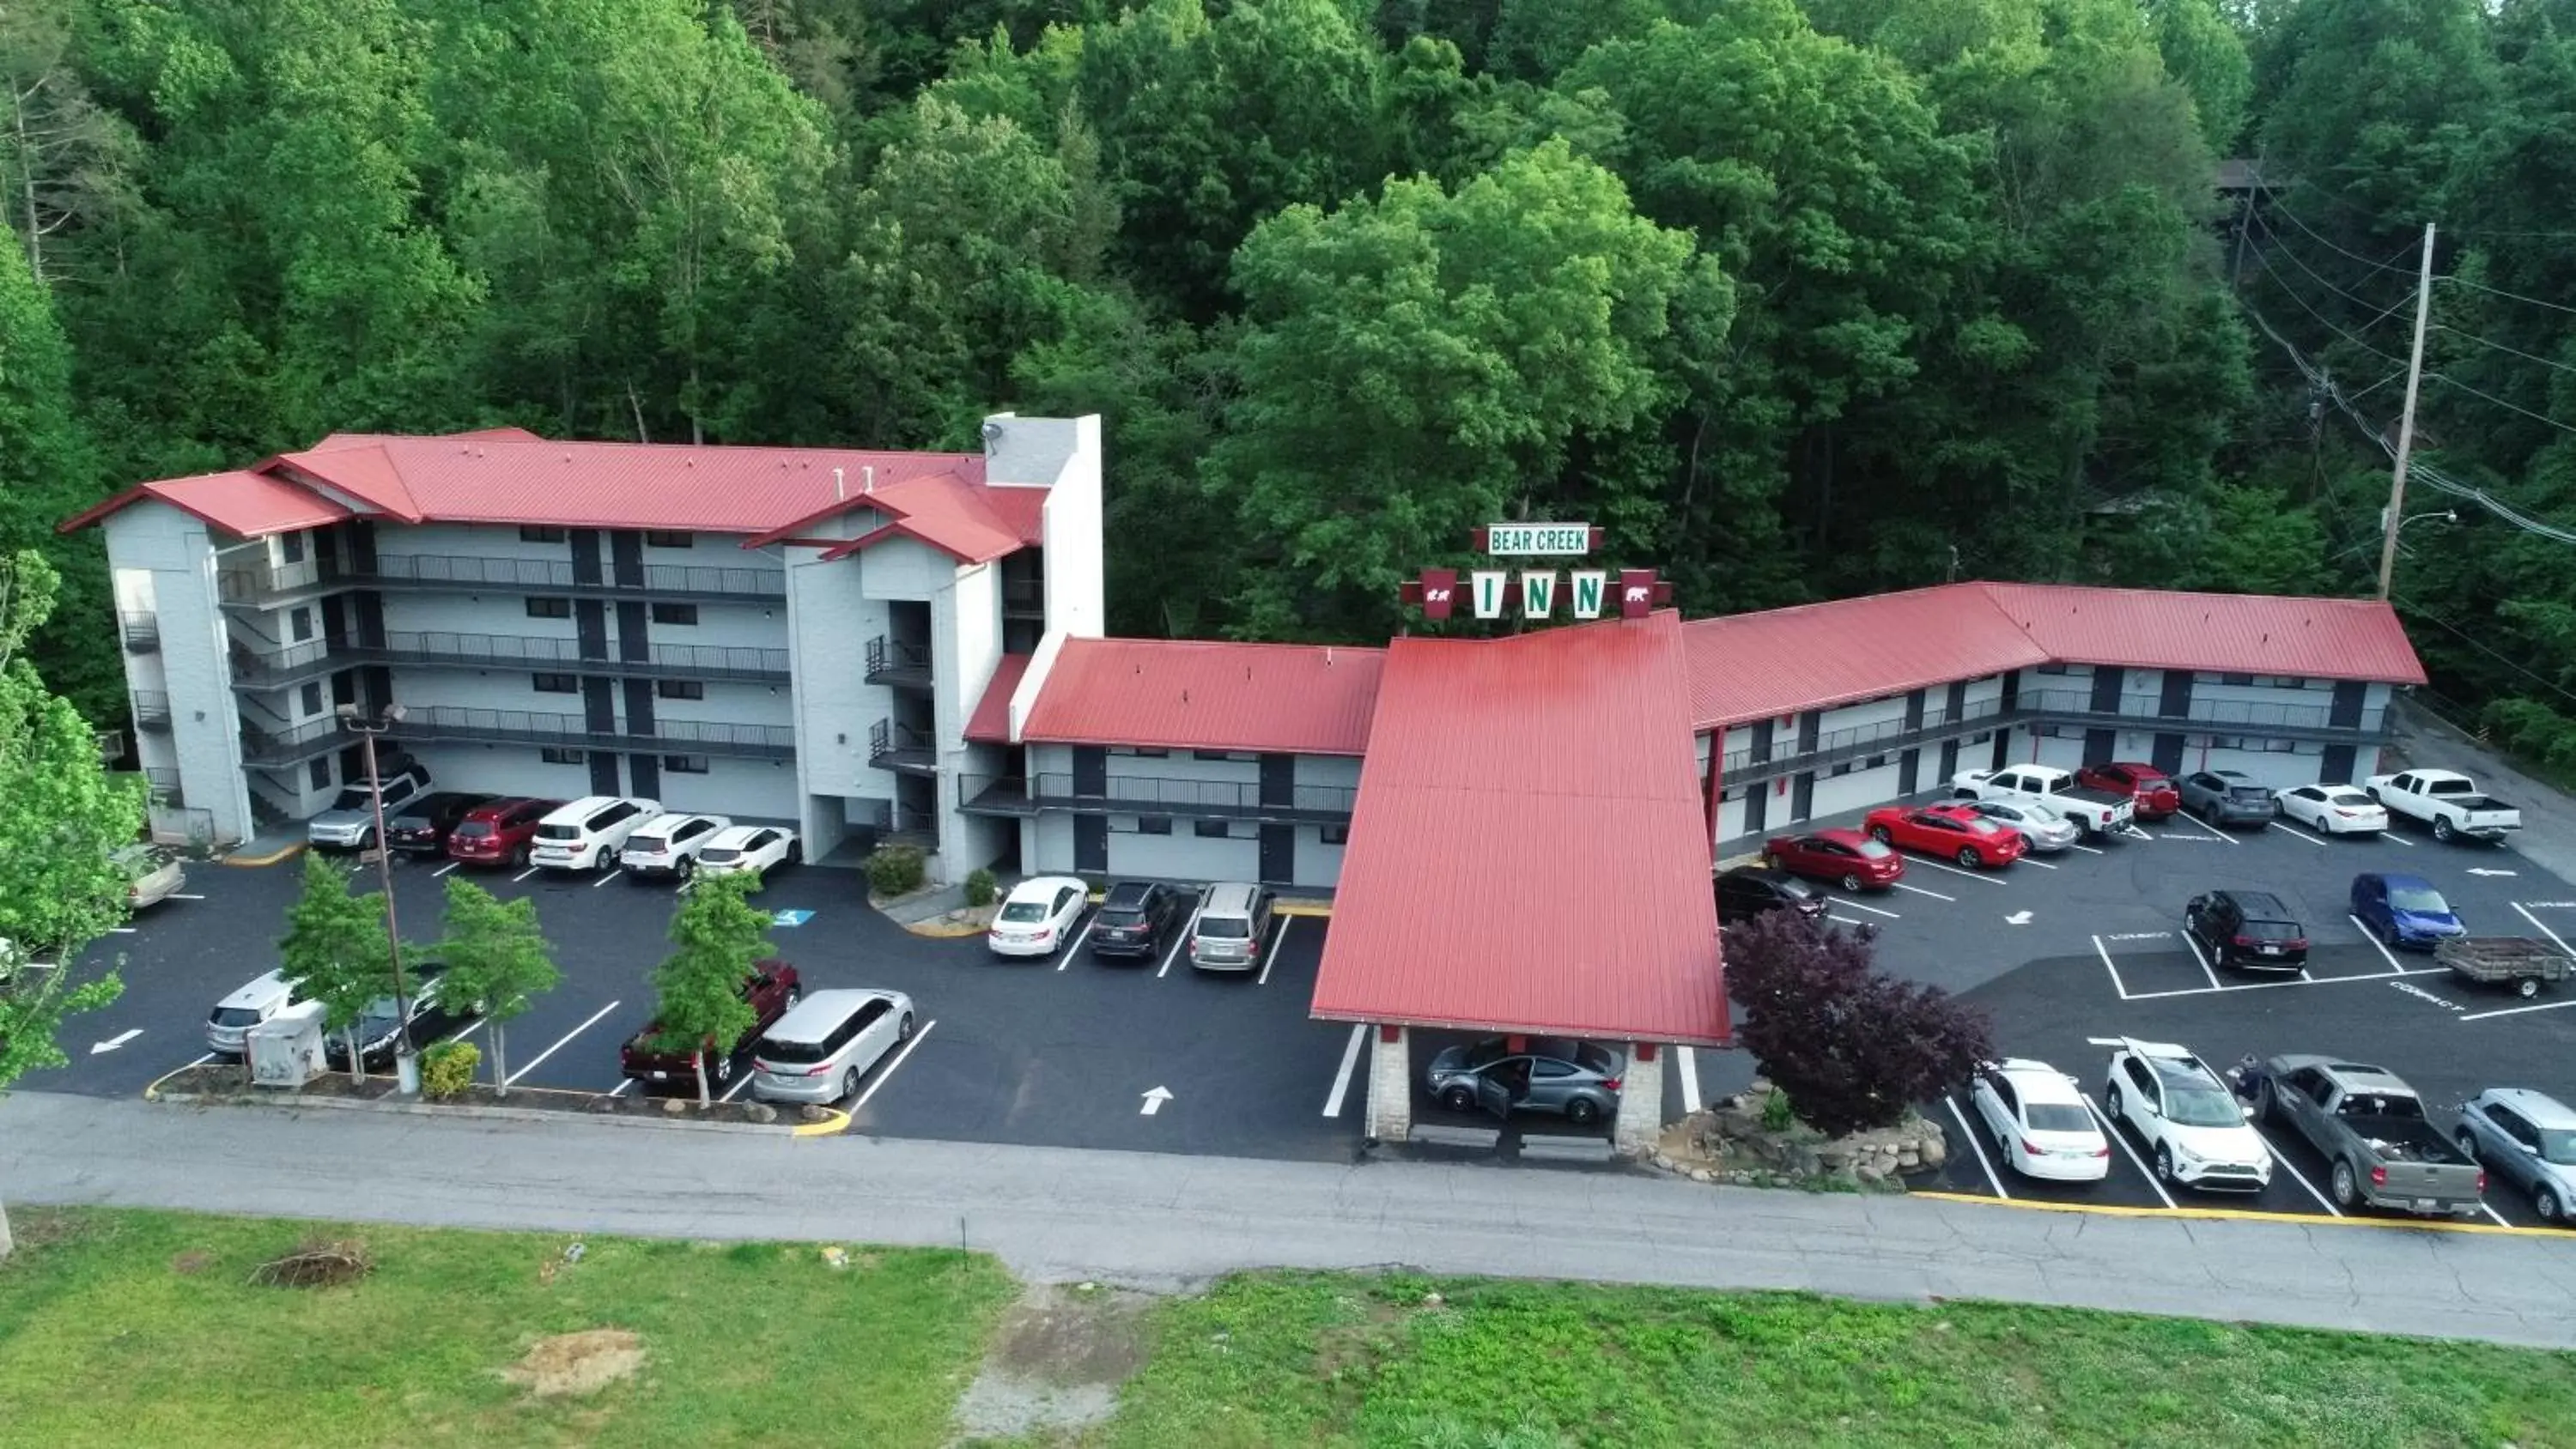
[1165, 1221]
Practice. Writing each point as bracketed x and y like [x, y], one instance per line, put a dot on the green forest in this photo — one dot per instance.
[1796, 300]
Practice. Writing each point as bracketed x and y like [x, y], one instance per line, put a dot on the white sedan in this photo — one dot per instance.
[1039, 916]
[2039, 1122]
[747, 850]
[2333, 809]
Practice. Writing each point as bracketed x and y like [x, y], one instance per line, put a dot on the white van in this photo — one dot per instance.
[587, 833]
[228, 1025]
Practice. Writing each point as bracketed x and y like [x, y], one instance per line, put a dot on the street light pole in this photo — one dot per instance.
[406, 1055]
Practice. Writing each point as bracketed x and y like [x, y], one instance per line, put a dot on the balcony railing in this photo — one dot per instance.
[1154, 795]
[278, 745]
[1023, 595]
[259, 583]
[518, 726]
[898, 662]
[2074, 706]
[273, 668]
[896, 746]
[164, 785]
[142, 632]
[270, 668]
[151, 710]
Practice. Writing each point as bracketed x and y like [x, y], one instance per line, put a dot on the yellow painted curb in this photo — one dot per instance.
[1321, 910]
[1750, 858]
[152, 1093]
[933, 930]
[840, 1122]
[2244, 1215]
[289, 853]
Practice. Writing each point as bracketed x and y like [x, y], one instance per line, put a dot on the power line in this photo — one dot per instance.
[2322, 319]
[2321, 280]
[2500, 347]
[2329, 245]
[2449, 380]
[2475, 643]
[2501, 292]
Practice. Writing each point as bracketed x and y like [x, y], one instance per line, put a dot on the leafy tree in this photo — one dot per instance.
[1853, 1049]
[64, 160]
[48, 471]
[716, 936]
[496, 958]
[2205, 52]
[335, 952]
[61, 820]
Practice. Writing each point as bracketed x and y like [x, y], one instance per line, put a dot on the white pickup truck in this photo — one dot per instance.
[2446, 800]
[2096, 812]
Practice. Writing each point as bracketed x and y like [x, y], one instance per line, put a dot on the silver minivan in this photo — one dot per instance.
[817, 1052]
[1232, 924]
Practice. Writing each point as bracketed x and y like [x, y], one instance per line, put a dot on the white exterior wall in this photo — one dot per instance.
[831, 616]
[501, 769]
[1730, 816]
[476, 540]
[1318, 864]
[1184, 765]
[162, 558]
[747, 790]
[727, 701]
[743, 625]
[965, 648]
[493, 613]
[1181, 855]
[1884, 714]
[1859, 790]
[903, 568]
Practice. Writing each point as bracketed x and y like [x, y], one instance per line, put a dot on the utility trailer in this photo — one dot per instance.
[2515, 961]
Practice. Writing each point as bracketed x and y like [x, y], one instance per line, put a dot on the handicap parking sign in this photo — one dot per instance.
[791, 918]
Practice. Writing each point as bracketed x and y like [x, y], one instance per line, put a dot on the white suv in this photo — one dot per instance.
[669, 844]
[2195, 1129]
[587, 833]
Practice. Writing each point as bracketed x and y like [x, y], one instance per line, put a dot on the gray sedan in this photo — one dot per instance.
[2045, 829]
[1576, 1080]
[2226, 797]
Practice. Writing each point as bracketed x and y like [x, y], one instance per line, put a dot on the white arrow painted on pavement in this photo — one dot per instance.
[1154, 1101]
[2018, 918]
[2482, 870]
[112, 1043]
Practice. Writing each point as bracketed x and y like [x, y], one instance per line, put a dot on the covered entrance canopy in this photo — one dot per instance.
[1529, 854]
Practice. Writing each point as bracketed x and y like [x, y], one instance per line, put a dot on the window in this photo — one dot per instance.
[319, 773]
[1876, 762]
[1842, 769]
[556, 684]
[300, 625]
[549, 608]
[562, 757]
[1981, 737]
[675, 614]
[290, 548]
[680, 688]
[312, 698]
[2236, 679]
[1336, 834]
[541, 533]
[2052, 669]
[2282, 747]
[1212, 830]
[685, 764]
[1142, 752]
[2227, 742]
[668, 538]
[1154, 825]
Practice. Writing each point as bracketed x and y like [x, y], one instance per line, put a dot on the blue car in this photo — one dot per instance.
[2403, 910]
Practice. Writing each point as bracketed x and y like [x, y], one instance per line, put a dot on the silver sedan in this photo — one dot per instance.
[2044, 828]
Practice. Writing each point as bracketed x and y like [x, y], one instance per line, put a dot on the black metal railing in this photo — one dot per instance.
[895, 745]
[141, 632]
[260, 582]
[1858, 739]
[269, 668]
[163, 783]
[897, 661]
[518, 726]
[1022, 594]
[288, 744]
[1153, 795]
[151, 709]
[281, 665]
[2074, 706]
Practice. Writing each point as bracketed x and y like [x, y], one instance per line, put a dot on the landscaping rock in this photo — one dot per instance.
[760, 1112]
[673, 1106]
[810, 1113]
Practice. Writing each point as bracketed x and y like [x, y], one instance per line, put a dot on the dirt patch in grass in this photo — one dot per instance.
[192, 1262]
[574, 1365]
[1057, 1361]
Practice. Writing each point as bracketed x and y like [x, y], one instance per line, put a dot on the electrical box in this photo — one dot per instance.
[286, 1049]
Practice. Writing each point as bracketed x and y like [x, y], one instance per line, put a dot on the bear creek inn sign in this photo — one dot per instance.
[1588, 593]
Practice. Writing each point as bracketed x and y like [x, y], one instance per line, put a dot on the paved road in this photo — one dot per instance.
[2548, 833]
[1161, 1221]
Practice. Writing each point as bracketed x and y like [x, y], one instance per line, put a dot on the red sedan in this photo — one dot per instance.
[1954, 832]
[1847, 858]
[2150, 787]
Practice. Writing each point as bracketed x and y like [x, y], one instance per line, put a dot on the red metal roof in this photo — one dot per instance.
[250, 505]
[1174, 694]
[1530, 848]
[991, 722]
[1782, 661]
[974, 524]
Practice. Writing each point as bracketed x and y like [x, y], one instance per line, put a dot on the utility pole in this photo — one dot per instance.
[2406, 420]
[406, 1052]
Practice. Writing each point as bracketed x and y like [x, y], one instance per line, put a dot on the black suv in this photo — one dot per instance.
[1137, 919]
[423, 825]
[1751, 890]
[2248, 930]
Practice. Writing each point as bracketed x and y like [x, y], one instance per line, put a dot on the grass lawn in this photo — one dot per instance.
[1327, 1360]
[137, 1328]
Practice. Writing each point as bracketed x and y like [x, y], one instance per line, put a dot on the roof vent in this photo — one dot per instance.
[1328, 656]
[868, 479]
[1185, 696]
[840, 487]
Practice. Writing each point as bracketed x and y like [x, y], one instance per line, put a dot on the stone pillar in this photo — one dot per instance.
[1390, 1084]
[1641, 1101]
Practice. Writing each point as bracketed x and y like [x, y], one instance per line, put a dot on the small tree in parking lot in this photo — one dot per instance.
[716, 936]
[1852, 1048]
[497, 958]
[335, 952]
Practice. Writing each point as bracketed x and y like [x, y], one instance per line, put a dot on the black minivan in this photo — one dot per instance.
[2247, 930]
[1137, 919]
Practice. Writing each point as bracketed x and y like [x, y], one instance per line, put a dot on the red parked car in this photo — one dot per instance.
[1848, 858]
[499, 833]
[1953, 832]
[773, 989]
[2151, 788]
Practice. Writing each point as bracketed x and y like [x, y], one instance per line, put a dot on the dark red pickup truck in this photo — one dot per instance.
[772, 989]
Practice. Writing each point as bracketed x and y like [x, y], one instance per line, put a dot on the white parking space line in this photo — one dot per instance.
[1688, 1061]
[738, 1084]
[444, 869]
[1920, 891]
[2381, 977]
[886, 1074]
[2199, 828]
[120, 930]
[2283, 1163]
[1845, 920]
[1954, 870]
[1342, 1078]
[559, 1044]
[2203, 960]
[2391, 835]
[2544, 930]
[2116, 983]
[2492, 1215]
[1976, 1147]
[531, 870]
[1873, 910]
[622, 1088]
[1174, 954]
[1065, 957]
[201, 1061]
[2087, 849]
[2112, 1130]
[2516, 1010]
[2375, 944]
[2030, 860]
[2294, 830]
[612, 875]
[461, 1033]
[1272, 954]
[186, 898]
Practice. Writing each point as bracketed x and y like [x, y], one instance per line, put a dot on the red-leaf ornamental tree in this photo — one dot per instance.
[1851, 1047]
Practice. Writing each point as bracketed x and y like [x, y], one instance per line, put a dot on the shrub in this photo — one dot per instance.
[1776, 1111]
[894, 870]
[981, 887]
[1853, 1049]
[447, 1069]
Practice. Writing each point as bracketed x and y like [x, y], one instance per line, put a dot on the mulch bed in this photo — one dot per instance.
[225, 1082]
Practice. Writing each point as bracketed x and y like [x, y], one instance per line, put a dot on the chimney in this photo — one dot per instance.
[840, 492]
[868, 478]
